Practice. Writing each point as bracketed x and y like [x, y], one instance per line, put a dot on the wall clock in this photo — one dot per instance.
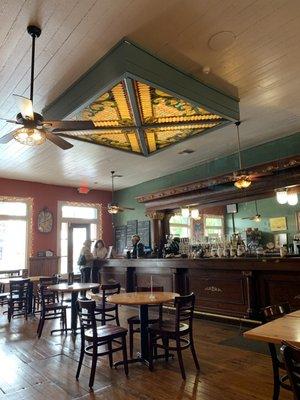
[45, 221]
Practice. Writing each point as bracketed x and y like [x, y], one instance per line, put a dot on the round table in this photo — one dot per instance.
[142, 299]
[74, 289]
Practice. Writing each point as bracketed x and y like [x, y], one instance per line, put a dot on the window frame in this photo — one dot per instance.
[28, 218]
[220, 227]
[176, 224]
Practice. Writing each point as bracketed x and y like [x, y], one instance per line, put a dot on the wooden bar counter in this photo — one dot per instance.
[237, 287]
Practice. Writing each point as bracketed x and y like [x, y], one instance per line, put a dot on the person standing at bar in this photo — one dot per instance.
[137, 247]
[86, 261]
[99, 253]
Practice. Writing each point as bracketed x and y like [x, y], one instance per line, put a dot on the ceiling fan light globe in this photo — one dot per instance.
[30, 136]
[282, 196]
[113, 209]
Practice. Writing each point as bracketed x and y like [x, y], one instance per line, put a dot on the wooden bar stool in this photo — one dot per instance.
[175, 330]
[291, 357]
[97, 336]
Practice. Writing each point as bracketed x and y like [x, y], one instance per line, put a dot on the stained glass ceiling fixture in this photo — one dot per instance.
[141, 119]
[137, 114]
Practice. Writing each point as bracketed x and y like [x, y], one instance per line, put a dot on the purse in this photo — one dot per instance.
[81, 260]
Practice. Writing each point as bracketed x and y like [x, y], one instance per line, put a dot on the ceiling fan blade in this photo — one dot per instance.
[25, 106]
[126, 208]
[9, 121]
[69, 125]
[248, 218]
[7, 138]
[60, 142]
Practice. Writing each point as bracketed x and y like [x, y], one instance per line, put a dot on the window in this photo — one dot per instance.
[15, 218]
[180, 226]
[213, 226]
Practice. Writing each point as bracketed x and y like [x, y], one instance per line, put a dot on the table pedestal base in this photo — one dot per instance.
[140, 359]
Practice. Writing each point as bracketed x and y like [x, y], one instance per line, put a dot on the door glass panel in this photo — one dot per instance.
[79, 236]
[12, 244]
[79, 212]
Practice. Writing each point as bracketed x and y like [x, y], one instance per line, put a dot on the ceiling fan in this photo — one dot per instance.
[33, 129]
[113, 207]
[256, 217]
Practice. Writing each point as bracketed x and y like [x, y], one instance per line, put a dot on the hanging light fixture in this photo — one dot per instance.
[292, 199]
[30, 136]
[195, 213]
[185, 212]
[281, 196]
[243, 181]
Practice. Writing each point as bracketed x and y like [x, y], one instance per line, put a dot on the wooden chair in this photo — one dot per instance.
[291, 357]
[18, 298]
[51, 309]
[3, 295]
[179, 330]
[46, 281]
[97, 336]
[135, 319]
[269, 314]
[108, 312]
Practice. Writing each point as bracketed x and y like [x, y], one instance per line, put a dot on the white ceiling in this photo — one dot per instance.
[263, 64]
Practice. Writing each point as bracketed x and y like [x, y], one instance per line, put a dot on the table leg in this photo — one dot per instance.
[30, 298]
[144, 332]
[74, 312]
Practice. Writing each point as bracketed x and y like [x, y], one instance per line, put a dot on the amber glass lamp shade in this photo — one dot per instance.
[242, 183]
[30, 136]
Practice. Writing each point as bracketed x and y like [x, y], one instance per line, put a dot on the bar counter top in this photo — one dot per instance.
[238, 263]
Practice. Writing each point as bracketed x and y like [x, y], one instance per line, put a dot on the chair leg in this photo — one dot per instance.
[41, 326]
[166, 348]
[65, 321]
[151, 347]
[131, 340]
[117, 316]
[110, 355]
[276, 381]
[94, 363]
[180, 360]
[9, 312]
[124, 349]
[80, 359]
[194, 352]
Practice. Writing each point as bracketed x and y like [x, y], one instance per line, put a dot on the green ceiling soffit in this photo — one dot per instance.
[130, 65]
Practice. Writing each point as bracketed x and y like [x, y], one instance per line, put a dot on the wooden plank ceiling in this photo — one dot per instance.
[261, 66]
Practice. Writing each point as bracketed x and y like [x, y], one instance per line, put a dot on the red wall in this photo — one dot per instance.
[48, 196]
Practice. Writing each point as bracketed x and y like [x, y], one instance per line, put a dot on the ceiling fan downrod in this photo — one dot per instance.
[34, 32]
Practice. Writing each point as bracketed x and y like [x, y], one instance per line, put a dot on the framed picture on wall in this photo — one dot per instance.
[298, 220]
[277, 224]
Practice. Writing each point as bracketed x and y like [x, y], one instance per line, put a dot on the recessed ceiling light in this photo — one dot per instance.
[221, 40]
[186, 151]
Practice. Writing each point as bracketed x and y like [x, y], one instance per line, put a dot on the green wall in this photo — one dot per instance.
[276, 149]
[267, 208]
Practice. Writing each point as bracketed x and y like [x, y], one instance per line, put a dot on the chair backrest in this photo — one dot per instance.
[18, 289]
[108, 290]
[49, 280]
[148, 288]
[184, 310]
[86, 312]
[275, 311]
[47, 296]
[291, 357]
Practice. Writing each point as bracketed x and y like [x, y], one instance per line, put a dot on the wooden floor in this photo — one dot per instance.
[45, 369]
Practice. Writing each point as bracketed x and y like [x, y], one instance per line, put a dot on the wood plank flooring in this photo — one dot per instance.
[45, 369]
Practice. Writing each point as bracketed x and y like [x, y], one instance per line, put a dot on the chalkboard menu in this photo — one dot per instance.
[131, 230]
[120, 239]
[144, 232]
